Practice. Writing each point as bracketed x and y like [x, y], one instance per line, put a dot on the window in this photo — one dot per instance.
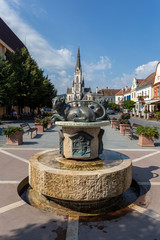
[148, 93]
[158, 92]
[118, 99]
[154, 92]
[134, 94]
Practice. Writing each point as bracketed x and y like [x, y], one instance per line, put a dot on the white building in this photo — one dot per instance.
[144, 94]
[78, 90]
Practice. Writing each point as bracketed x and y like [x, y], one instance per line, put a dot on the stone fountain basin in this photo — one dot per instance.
[56, 177]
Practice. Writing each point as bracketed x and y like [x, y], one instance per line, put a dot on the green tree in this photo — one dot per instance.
[114, 106]
[6, 84]
[27, 81]
[129, 104]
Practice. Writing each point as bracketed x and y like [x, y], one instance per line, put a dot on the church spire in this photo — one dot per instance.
[78, 64]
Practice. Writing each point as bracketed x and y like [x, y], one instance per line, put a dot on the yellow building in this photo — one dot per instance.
[135, 84]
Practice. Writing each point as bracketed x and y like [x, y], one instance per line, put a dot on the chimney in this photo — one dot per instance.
[106, 87]
[96, 89]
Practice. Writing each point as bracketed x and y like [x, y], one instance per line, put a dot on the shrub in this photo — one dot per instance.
[124, 121]
[10, 130]
[114, 118]
[148, 131]
[43, 121]
[124, 118]
[157, 116]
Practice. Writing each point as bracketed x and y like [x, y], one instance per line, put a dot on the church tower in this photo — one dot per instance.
[77, 83]
[78, 91]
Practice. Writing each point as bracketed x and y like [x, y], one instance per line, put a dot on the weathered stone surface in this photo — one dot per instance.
[79, 185]
[67, 144]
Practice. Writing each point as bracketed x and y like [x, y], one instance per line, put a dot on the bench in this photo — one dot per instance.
[27, 129]
[133, 129]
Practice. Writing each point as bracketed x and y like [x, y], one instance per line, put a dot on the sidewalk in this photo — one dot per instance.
[20, 221]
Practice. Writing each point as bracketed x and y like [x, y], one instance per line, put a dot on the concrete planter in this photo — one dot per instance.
[40, 128]
[144, 141]
[16, 139]
[114, 123]
[125, 128]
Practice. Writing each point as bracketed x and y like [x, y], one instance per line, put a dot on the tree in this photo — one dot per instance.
[114, 106]
[6, 84]
[26, 80]
[129, 104]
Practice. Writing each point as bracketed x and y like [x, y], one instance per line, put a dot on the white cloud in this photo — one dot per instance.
[146, 69]
[54, 61]
[103, 64]
[140, 72]
[123, 81]
[96, 73]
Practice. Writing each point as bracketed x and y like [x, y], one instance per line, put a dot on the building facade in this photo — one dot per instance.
[145, 94]
[135, 84]
[156, 88]
[119, 96]
[9, 42]
[78, 90]
[107, 93]
[127, 94]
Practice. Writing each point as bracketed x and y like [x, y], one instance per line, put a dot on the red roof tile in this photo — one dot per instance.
[107, 92]
[148, 80]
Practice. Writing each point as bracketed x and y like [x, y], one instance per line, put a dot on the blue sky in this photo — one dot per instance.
[118, 39]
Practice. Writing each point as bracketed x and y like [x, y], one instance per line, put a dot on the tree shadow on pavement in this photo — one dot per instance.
[50, 230]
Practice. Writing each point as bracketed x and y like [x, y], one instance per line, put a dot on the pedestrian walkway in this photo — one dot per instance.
[20, 221]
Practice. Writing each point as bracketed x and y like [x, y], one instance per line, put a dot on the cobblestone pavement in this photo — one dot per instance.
[20, 221]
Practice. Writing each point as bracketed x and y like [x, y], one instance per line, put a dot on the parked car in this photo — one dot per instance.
[110, 111]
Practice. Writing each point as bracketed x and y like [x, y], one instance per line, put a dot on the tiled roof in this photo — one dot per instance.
[107, 92]
[121, 92]
[148, 80]
[127, 91]
[139, 81]
[8, 37]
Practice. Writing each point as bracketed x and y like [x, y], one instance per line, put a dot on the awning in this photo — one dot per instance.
[152, 101]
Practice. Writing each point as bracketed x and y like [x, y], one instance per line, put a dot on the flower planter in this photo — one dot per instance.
[144, 141]
[125, 128]
[40, 128]
[16, 139]
[114, 123]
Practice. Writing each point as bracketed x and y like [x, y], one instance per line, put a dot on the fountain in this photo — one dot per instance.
[81, 178]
